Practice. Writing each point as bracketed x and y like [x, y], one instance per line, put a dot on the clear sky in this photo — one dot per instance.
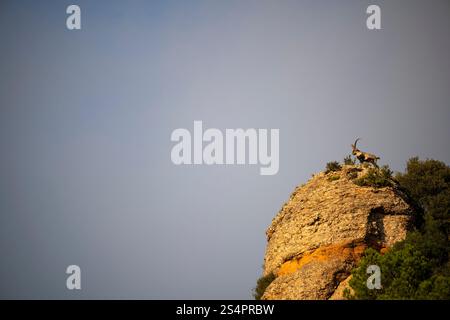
[86, 117]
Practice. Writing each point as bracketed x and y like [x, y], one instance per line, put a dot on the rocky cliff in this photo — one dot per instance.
[320, 234]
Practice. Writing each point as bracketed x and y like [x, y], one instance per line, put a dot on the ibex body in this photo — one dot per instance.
[364, 156]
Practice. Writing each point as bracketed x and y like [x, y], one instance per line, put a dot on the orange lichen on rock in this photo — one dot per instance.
[344, 251]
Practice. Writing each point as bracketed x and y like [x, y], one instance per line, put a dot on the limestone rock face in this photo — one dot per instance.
[320, 234]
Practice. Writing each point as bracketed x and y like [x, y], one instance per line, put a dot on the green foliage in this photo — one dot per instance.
[436, 288]
[262, 284]
[428, 183]
[410, 270]
[347, 294]
[418, 267]
[376, 177]
[425, 179]
[352, 175]
[348, 160]
[332, 166]
[334, 178]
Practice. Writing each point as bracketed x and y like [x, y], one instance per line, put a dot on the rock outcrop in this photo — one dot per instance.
[320, 234]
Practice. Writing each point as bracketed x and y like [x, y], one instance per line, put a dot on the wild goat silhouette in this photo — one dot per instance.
[364, 156]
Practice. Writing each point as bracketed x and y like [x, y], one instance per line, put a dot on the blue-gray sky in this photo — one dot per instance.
[86, 118]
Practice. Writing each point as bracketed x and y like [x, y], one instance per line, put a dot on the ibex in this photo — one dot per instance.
[364, 156]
